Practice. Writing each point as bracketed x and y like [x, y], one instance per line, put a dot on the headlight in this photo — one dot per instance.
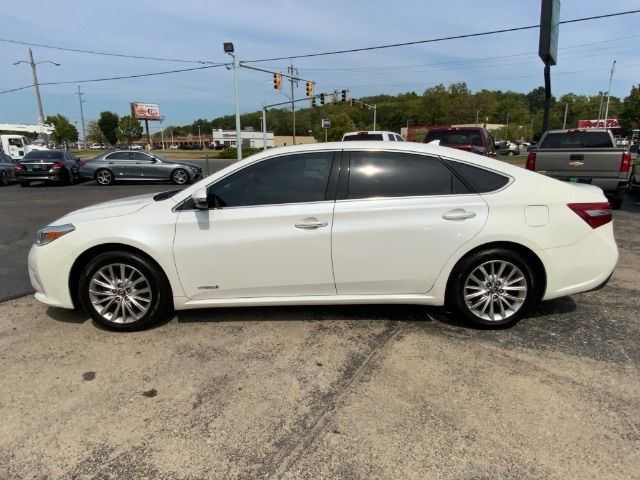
[49, 234]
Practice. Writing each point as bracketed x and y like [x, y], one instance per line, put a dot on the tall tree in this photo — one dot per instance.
[129, 129]
[94, 134]
[630, 115]
[64, 132]
[108, 123]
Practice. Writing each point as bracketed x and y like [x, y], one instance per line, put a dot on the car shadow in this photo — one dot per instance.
[67, 316]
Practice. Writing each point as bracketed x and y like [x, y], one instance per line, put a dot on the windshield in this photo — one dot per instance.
[577, 139]
[44, 155]
[455, 137]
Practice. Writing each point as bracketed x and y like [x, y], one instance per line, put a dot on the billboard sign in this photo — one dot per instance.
[549, 29]
[145, 111]
[611, 123]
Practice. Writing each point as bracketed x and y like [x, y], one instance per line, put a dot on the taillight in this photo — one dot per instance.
[625, 165]
[531, 161]
[57, 166]
[595, 214]
[18, 166]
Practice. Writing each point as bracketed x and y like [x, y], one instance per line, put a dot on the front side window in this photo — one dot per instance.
[396, 174]
[297, 178]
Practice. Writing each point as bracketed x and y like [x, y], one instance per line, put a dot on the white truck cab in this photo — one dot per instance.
[17, 146]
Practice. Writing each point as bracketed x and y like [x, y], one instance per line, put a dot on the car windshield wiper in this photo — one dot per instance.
[165, 195]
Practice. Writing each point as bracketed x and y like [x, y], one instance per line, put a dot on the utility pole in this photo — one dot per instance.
[84, 136]
[35, 82]
[566, 111]
[600, 109]
[375, 112]
[293, 72]
[606, 110]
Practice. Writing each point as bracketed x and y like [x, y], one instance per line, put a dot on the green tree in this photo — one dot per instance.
[129, 129]
[64, 132]
[94, 134]
[630, 114]
[108, 123]
[340, 124]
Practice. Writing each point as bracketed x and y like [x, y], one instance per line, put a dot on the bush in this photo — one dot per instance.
[233, 153]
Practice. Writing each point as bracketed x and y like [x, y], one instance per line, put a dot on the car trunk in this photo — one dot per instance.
[37, 166]
[603, 163]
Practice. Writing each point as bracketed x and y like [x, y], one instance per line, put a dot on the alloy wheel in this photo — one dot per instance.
[180, 177]
[104, 177]
[495, 290]
[120, 293]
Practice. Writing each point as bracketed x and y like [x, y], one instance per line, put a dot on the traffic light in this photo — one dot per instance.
[343, 96]
[277, 81]
[322, 99]
[313, 102]
[309, 89]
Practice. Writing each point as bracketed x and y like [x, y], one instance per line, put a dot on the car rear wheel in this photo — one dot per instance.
[124, 291]
[104, 177]
[180, 176]
[512, 153]
[4, 178]
[67, 177]
[492, 288]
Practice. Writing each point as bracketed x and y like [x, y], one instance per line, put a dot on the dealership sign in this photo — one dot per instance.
[611, 123]
[145, 111]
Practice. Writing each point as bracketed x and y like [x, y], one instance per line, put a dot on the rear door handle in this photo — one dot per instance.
[311, 225]
[458, 214]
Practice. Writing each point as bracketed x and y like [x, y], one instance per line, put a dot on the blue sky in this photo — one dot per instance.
[196, 29]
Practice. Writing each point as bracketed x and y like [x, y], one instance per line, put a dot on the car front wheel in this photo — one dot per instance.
[494, 287]
[124, 291]
[104, 177]
[180, 176]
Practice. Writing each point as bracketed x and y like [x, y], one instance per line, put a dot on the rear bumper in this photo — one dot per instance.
[37, 176]
[581, 267]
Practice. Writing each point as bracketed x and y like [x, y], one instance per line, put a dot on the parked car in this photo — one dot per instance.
[584, 156]
[136, 147]
[131, 165]
[634, 177]
[7, 170]
[507, 148]
[173, 147]
[373, 135]
[50, 165]
[470, 139]
[333, 223]
[97, 146]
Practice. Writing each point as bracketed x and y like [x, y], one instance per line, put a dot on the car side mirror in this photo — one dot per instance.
[200, 199]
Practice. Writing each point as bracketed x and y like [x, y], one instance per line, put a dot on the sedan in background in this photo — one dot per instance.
[7, 170]
[131, 165]
[57, 166]
[333, 223]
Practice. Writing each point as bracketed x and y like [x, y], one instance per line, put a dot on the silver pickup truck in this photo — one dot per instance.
[584, 156]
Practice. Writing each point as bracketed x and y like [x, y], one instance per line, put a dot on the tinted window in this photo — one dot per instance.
[394, 174]
[288, 179]
[44, 155]
[399, 138]
[577, 139]
[455, 137]
[364, 136]
[392, 138]
[118, 156]
[481, 180]
[139, 156]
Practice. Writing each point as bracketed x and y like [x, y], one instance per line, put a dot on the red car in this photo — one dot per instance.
[470, 139]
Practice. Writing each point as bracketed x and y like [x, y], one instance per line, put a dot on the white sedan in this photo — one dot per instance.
[333, 223]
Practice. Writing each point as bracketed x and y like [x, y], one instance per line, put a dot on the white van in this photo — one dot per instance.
[16, 146]
[373, 135]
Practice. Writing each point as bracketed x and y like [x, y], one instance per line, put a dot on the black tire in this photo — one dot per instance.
[67, 177]
[104, 177]
[180, 176]
[512, 153]
[25, 183]
[4, 178]
[158, 299]
[490, 295]
[616, 202]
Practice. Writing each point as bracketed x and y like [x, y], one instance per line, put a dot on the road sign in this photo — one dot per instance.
[325, 123]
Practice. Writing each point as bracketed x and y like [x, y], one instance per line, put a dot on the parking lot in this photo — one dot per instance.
[315, 392]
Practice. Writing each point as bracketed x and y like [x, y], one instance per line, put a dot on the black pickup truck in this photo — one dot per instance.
[584, 156]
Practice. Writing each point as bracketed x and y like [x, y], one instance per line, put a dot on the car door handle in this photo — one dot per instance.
[311, 225]
[458, 214]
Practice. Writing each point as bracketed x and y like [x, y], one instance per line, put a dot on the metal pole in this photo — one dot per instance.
[264, 127]
[236, 68]
[325, 134]
[84, 136]
[606, 110]
[547, 97]
[600, 109]
[375, 111]
[172, 136]
[200, 135]
[566, 110]
[477, 115]
[37, 86]
[293, 107]
[162, 137]
[507, 132]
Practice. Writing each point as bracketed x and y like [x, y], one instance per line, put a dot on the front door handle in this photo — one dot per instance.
[311, 225]
[458, 214]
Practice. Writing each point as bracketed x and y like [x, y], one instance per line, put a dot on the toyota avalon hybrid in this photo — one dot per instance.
[334, 223]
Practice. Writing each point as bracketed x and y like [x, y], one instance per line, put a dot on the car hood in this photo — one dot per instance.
[113, 208]
[187, 164]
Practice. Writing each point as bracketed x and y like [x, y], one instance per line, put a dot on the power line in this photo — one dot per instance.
[108, 54]
[440, 39]
[17, 89]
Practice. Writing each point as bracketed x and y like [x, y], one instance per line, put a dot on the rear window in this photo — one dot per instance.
[363, 136]
[44, 155]
[455, 137]
[577, 139]
[481, 180]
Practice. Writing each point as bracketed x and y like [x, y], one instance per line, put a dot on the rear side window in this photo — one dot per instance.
[481, 180]
[364, 136]
[44, 155]
[577, 139]
[396, 174]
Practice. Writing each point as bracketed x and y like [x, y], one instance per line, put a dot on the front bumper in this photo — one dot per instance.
[49, 268]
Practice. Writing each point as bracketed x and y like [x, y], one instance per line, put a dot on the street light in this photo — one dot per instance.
[35, 80]
[228, 48]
